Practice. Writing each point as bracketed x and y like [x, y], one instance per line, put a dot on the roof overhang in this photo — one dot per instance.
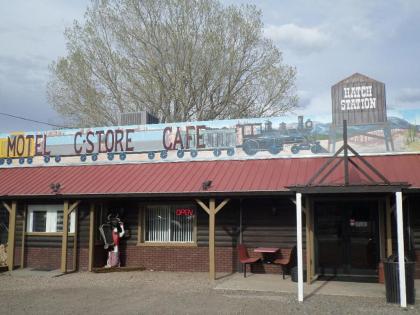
[350, 189]
[153, 195]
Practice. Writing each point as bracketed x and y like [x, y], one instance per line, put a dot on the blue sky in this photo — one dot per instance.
[326, 41]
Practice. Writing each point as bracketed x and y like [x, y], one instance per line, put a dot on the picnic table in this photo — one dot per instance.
[268, 253]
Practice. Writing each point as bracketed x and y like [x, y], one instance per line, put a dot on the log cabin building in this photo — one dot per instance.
[348, 229]
[344, 212]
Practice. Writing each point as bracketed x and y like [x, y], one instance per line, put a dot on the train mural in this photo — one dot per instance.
[357, 99]
[273, 137]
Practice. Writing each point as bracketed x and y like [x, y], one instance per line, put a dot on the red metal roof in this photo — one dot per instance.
[187, 177]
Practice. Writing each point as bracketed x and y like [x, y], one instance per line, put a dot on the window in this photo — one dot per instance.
[48, 219]
[169, 224]
[60, 221]
[39, 221]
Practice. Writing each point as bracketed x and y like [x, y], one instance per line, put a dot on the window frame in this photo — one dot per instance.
[51, 219]
[141, 228]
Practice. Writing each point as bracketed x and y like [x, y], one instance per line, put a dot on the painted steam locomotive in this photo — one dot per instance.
[256, 137]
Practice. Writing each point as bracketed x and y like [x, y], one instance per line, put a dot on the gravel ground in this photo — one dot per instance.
[163, 293]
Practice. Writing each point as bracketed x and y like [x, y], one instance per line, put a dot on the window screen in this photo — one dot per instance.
[168, 224]
[60, 219]
[39, 221]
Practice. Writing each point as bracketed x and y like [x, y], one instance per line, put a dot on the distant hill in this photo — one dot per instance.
[395, 123]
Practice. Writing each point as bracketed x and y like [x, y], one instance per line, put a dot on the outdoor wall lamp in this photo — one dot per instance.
[55, 187]
[206, 184]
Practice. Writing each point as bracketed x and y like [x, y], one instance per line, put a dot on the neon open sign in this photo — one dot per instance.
[186, 212]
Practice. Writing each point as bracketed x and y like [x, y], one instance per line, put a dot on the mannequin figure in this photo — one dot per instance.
[117, 233]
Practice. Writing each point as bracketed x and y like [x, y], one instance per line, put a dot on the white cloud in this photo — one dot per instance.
[409, 95]
[404, 99]
[300, 39]
[317, 108]
[31, 33]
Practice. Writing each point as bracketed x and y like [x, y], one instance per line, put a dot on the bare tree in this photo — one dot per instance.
[178, 59]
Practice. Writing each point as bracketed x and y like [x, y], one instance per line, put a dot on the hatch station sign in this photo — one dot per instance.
[358, 97]
[360, 100]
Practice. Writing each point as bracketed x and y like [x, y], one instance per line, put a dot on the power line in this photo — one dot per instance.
[33, 120]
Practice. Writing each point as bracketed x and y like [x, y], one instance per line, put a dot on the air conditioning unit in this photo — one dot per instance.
[138, 118]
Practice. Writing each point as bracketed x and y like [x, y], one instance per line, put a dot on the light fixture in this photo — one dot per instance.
[55, 187]
[206, 184]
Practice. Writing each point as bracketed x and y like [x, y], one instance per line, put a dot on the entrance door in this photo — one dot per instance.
[347, 243]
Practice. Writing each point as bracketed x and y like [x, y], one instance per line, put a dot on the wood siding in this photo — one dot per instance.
[226, 226]
[270, 224]
[265, 223]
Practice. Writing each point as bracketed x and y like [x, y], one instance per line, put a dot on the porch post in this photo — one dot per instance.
[401, 262]
[67, 210]
[212, 258]
[312, 243]
[22, 248]
[76, 227]
[388, 227]
[381, 216]
[64, 239]
[91, 234]
[212, 211]
[299, 245]
[11, 235]
[309, 240]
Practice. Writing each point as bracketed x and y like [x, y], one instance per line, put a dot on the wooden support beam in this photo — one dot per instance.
[73, 206]
[388, 226]
[91, 235]
[332, 159]
[374, 170]
[312, 240]
[212, 250]
[11, 235]
[381, 215]
[221, 205]
[76, 226]
[212, 210]
[346, 154]
[308, 242]
[8, 208]
[202, 205]
[330, 171]
[65, 237]
[22, 246]
[361, 170]
[67, 210]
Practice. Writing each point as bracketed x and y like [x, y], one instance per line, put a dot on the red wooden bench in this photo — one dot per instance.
[286, 258]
